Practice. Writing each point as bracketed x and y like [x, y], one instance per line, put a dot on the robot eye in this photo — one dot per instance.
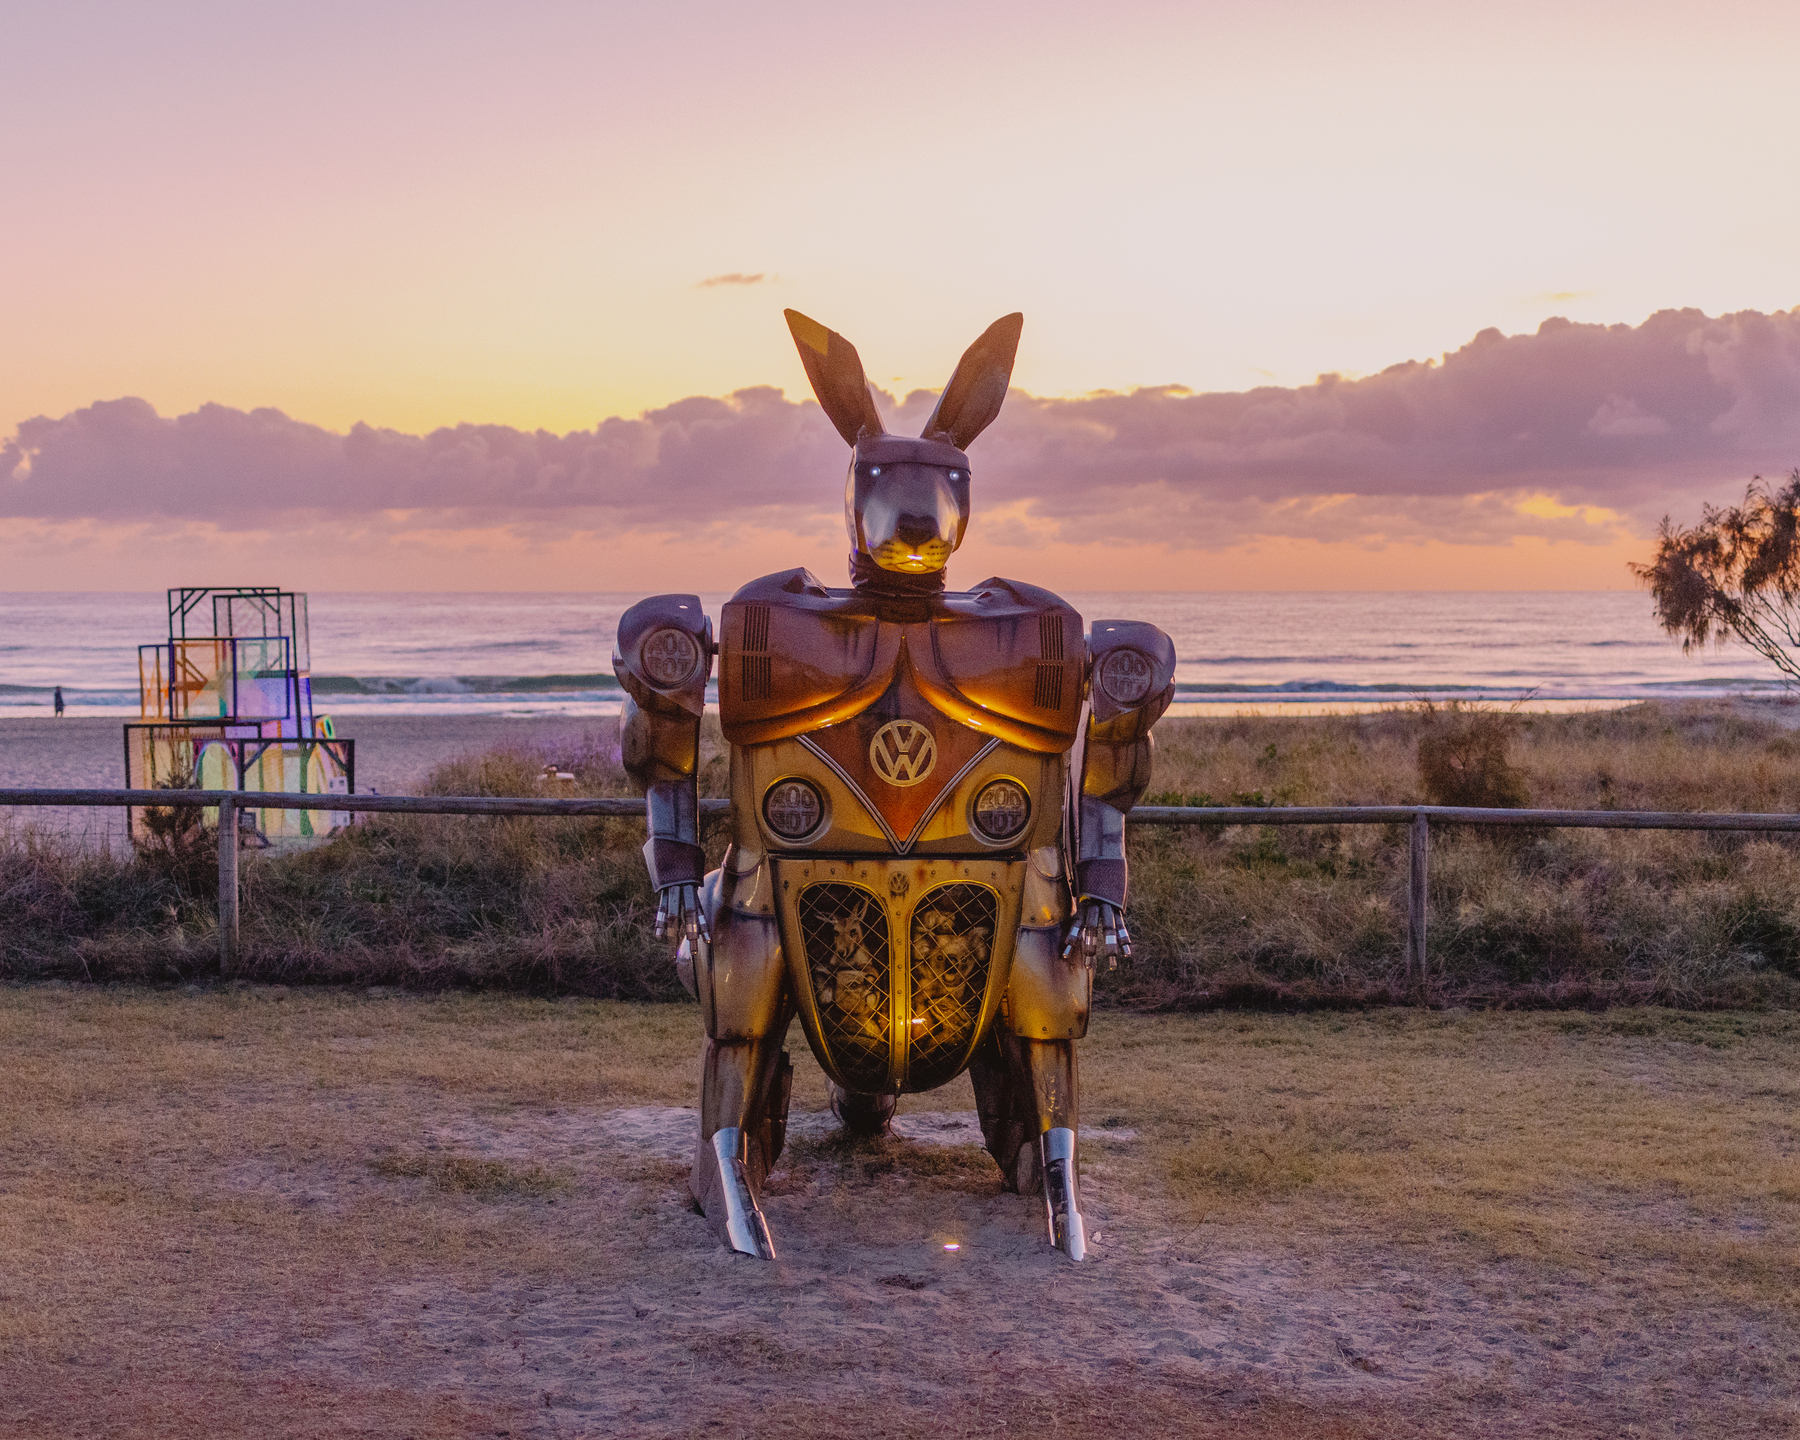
[956, 474]
[874, 469]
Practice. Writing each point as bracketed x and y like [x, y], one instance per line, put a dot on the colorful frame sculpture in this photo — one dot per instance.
[225, 703]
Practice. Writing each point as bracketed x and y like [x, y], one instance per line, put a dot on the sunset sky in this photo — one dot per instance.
[538, 253]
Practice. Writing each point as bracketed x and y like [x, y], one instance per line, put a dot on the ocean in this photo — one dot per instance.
[550, 654]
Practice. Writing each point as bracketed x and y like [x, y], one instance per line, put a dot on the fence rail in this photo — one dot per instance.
[1418, 818]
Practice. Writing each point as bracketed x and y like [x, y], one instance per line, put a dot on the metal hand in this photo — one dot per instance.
[678, 914]
[1098, 929]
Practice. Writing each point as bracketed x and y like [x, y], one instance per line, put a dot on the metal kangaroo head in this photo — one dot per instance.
[906, 502]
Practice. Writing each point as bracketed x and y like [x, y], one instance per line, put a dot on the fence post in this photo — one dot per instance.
[228, 887]
[1415, 908]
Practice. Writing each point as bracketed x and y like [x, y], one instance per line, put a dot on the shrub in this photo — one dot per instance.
[173, 841]
[1464, 758]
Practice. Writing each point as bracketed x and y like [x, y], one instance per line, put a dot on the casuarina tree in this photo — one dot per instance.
[1736, 573]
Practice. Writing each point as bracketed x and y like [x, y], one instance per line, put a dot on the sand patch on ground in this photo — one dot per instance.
[282, 1214]
[670, 1132]
[867, 1312]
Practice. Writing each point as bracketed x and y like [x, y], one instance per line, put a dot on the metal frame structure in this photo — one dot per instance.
[226, 700]
[247, 757]
[253, 611]
[170, 691]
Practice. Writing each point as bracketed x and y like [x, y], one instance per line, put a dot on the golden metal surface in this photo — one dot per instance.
[1047, 997]
[898, 965]
[932, 818]
[1118, 774]
[739, 975]
[656, 747]
[1005, 660]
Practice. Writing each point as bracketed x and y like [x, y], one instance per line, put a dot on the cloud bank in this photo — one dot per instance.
[1574, 432]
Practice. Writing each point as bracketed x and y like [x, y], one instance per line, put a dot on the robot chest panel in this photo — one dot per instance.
[1013, 673]
[898, 779]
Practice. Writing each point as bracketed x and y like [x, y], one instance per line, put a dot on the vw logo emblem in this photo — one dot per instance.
[903, 752]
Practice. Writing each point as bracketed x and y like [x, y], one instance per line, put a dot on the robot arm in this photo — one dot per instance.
[1132, 679]
[663, 657]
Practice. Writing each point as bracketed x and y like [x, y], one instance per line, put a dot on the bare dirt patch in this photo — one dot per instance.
[330, 1214]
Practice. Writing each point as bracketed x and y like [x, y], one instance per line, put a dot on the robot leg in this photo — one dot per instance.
[1008, 1114]
[1053, 1072]
[1025, 1091]
[1024, 1074]
[746, 1078]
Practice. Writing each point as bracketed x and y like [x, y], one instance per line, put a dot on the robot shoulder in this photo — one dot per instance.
[1133, 672]
[663, 654]
[1016, 651]
[785, 587]
[997, 593]
[794, 654]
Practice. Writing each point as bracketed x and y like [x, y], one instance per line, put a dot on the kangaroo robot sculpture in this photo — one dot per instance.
[929, 791]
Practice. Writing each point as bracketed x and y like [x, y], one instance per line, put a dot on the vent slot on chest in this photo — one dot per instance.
[1048, 693]
[754, 676]
[756, 627]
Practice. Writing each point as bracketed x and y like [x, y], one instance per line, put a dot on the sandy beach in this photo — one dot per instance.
[394, 754]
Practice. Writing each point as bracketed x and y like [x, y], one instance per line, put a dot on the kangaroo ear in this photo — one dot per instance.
[836, 372]
[978, 388]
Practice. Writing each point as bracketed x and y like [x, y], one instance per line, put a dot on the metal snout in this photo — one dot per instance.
[744, 1223]
[1062, 1208]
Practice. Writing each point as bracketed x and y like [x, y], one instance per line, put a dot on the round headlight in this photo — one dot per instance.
[670, 657]
[1126, 676]
[793, 808]
[1001, 809]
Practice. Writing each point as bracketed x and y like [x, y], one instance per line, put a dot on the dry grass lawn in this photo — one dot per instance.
[329, 1213]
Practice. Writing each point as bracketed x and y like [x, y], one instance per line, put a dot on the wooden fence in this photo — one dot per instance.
[1418, 818]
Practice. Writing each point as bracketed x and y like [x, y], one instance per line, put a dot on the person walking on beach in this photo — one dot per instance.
[57, 701]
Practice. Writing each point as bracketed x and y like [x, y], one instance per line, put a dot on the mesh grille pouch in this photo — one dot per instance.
[848, 953]
[952, 944]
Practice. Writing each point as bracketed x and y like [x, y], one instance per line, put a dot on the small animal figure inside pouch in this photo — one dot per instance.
[929, 790]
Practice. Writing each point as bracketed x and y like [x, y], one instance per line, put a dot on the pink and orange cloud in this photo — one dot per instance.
[1576, 433]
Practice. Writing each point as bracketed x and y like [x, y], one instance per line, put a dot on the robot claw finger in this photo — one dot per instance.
[929, 790]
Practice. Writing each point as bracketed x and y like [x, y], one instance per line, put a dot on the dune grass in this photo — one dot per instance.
[241, 1205]
[1251, 915]
[1542, 917]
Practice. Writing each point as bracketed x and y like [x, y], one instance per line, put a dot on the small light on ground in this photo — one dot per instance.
[953, 1247]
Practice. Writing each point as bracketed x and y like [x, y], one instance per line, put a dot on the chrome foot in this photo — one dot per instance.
[745, 1227]
[1062, 1209]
